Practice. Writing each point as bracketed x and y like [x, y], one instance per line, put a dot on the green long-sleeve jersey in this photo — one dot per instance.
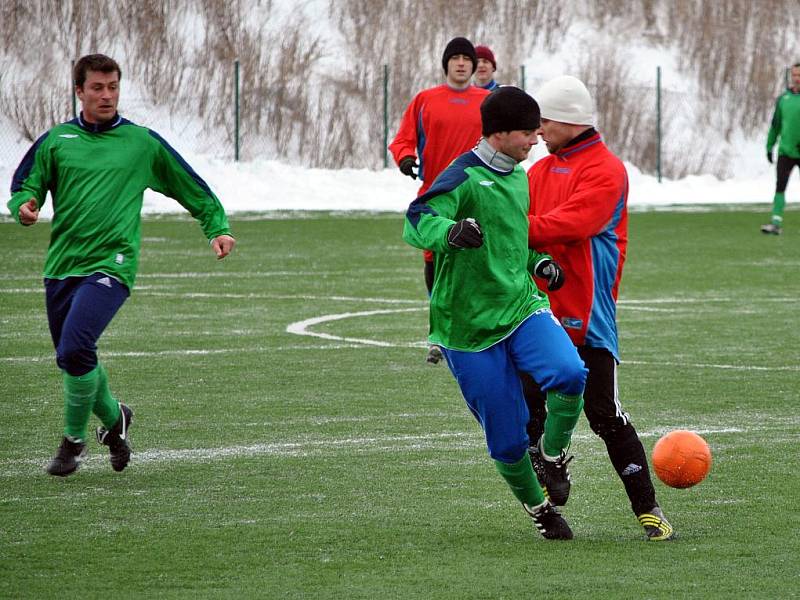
[96, 176]
[480, 295]
[786, 125]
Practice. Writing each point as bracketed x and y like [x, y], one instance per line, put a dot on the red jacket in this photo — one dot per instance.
[440, 124]
[578, 214]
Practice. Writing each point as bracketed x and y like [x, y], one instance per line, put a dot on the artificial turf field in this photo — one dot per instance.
[270, 463]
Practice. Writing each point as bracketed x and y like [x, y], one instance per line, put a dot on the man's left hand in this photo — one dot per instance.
[222, 245]
[552, 272]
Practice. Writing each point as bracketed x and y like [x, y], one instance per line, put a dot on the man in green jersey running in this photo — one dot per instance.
[96, 168]
[487, 314]
[786, 125]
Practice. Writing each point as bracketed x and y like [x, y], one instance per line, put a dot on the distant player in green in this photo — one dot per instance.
[786, 126]
[487, 314]
[96, 168]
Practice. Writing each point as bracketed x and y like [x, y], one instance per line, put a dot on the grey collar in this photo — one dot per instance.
[494, 158]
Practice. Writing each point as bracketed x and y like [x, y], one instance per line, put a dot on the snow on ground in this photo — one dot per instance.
[267, 185]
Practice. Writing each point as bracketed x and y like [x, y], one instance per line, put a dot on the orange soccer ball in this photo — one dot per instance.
[681, 459]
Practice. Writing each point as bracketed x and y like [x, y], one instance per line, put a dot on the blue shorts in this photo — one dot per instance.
[78, 311]
[489, 380]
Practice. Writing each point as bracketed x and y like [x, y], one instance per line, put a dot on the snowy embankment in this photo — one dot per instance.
[263, 186]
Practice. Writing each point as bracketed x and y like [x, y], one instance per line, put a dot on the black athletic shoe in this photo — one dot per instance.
[769, 228]
[116, 439]
[553, 476]
[549, 521]
[434, 355]
[67, 459]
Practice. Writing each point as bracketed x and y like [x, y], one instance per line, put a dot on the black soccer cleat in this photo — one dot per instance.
[116, 439]
[771, 228]
[434, 355]
[68, 458]
[553, 475]
[656, 526]
[549, 521]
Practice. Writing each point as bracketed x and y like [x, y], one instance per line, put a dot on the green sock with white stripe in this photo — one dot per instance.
[778, 204]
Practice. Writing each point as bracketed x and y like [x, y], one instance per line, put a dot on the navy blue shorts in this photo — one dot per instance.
[78, 311]
[489, 380]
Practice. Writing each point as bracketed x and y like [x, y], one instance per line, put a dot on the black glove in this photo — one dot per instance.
[769, 156]
[549, 270]
[466, 233]
[407, 165]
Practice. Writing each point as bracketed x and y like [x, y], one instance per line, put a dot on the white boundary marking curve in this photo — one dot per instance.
[301, 327]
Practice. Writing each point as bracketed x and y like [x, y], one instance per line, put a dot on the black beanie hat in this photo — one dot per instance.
[508, 108]
[459, 45]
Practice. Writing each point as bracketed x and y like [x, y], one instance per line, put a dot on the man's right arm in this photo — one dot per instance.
[774, 129]
[426, 228]
[431, 216]
[30, 183]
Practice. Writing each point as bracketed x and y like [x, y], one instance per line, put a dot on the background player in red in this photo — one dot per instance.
[487, 65]
[578, 215]
[440, 124]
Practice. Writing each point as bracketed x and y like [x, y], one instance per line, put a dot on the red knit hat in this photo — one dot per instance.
[486, 53]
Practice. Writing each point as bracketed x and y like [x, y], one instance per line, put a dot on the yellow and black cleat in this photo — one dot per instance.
[656, 525]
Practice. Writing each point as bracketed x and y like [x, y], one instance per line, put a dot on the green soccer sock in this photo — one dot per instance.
[105, 405]
[778, 203]
[562, 416]
[522, 480]
[79, 397]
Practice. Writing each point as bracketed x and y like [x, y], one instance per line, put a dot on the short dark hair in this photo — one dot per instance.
[93, 62]
[796, 65]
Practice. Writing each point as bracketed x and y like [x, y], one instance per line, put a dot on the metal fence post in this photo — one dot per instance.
[72, 89]
[658, 123]
[385, 115]
[236, 110]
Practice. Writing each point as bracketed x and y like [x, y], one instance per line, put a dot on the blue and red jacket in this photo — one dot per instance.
[579, 215]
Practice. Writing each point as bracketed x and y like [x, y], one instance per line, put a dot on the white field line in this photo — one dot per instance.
[442, 441]
[711, 365]
[306, 447]
[301, 327]
[151, 291]
[362, 344]
[209, 352]
[224, 274]
[148, 292]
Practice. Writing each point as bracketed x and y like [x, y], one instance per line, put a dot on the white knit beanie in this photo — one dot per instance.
[565, 99]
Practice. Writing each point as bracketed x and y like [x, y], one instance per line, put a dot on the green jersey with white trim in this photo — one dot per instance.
[96, 176]
[480, 295]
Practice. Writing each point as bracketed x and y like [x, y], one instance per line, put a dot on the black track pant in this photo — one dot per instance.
[608, 420]
[429, 277]
[783, 169]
